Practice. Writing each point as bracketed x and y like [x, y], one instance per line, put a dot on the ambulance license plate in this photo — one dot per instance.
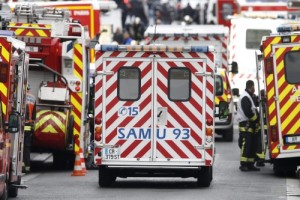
[292, 139]
[111, 153]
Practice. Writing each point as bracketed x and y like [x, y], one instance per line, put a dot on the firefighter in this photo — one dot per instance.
[248, 119]
[29, 123]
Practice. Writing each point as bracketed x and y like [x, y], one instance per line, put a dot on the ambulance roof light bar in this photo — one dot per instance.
[288, 28]
[154, 48]
[184, 34]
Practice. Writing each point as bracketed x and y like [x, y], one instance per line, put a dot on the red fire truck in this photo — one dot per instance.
[13, 84]
[59, 79]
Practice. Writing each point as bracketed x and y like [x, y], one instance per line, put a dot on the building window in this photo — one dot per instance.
[254, 36]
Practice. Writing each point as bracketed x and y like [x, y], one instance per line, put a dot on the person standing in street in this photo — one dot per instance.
[248, 118]
[29, 124]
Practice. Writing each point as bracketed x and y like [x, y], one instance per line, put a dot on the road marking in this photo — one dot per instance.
[292, 189]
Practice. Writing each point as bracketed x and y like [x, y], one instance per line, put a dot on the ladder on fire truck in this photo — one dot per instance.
[34, 12]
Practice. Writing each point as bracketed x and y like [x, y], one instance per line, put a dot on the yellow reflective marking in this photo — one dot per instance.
[41, 32]
[3, 108]
[291, 115]
[275, 150]
[49, 129]
[217, 100]
[295, 127]
[29, 33]
[3, 89]
[268, 48]
[20, 30]
[291, 147]
[76, 104]
[5, 54]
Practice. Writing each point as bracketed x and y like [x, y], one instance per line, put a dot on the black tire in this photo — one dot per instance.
[204, 177]
[5, 193]
[278, 171]
[106, 178]
[228, 134]
[59, 160]
[13, 191]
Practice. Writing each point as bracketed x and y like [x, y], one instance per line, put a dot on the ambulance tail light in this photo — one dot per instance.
[274, 134]
[209, 134]
[209, 122]
[4, 72]
[269, 65]
[98, 133]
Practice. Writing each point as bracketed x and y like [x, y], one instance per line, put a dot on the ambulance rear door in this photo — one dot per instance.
[155, 109]
[287, 97]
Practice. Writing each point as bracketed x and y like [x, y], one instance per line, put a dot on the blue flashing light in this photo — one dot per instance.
[7, 33]
[284, 29]
[109, 47]
[201, 49]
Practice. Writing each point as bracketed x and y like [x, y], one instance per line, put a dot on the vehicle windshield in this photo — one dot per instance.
[219, 86]
[254, 36]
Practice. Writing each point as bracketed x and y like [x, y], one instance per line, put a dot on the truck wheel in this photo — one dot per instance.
[278, 169]
[13, 191]
[106, 178]
[4, 195]
[228, 134]
[59, 160]
[204, 177]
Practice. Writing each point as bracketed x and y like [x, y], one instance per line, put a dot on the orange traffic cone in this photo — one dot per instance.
[82, 161]
[77, 166]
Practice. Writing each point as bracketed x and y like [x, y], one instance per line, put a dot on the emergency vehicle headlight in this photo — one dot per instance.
[286, 39]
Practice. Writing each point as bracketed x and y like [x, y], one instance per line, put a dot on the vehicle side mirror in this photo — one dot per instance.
[236, 92]
[223, 109]
[13, 123]
[234, 67]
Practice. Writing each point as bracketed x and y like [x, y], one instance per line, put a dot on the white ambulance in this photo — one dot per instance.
[154, 112]
[245, 36]
[214, 35]
[280, 67]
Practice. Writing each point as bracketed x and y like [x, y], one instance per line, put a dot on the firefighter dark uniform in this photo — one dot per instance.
[29, 125]
[248, 118]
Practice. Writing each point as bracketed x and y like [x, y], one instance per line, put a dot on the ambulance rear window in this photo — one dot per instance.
[254, 36]
[292, 69]
[129, 83]
[179, 84]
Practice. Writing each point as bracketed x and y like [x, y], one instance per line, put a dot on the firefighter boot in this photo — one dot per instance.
[260, 163]
[251, 167]
[244, 168]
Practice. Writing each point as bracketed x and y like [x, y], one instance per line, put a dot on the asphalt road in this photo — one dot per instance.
[229, 183]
